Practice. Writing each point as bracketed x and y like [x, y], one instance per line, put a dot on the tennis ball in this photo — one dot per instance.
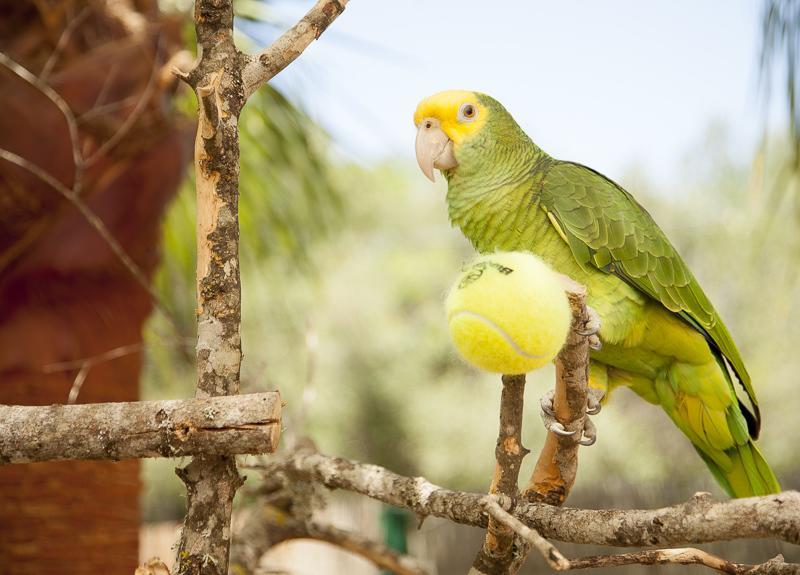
[508, 313]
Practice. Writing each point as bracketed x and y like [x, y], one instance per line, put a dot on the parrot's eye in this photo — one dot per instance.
[467, 113]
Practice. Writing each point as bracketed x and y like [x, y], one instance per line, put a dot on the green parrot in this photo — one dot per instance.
[660, 334]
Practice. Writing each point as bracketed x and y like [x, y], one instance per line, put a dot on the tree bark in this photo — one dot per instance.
[247, 424]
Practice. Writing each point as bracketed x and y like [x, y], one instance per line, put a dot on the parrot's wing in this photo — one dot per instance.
[606, 228]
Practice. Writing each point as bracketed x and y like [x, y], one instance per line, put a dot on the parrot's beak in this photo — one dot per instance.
[434, 148]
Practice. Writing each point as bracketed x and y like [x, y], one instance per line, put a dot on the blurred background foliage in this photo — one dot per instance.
[345, 267]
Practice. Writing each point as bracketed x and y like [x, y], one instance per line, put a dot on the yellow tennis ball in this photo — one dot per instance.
[508, 313]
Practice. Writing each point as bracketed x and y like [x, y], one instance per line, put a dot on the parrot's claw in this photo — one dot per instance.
[546, 403]
[557, 428]
[592, 325]
[593, 399]
[589, 434]
[595, 343]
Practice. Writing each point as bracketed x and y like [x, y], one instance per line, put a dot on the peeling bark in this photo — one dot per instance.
[247, 424]
[211, 482]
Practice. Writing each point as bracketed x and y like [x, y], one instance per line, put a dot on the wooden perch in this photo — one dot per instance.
[505, 549]
[498, 550]
[246, 424]
[699, 520]
[557, 465]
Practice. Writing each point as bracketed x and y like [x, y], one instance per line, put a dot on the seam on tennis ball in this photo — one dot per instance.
[499, 330]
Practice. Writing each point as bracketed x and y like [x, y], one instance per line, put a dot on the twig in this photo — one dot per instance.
[259, 69]
[245, 424]
[94, 220]
[265, 526]
[73, 194]
[62, 41]
[61, 104]
[135, 114]
[380, 555]
[547, 550]
[77, 384]
[685, 556]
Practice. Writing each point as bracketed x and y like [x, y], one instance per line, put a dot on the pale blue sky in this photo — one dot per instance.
[611, 83]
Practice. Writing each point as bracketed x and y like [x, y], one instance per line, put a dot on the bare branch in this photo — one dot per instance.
[77, 384]
[685, 556]
[265, 526]
[61, 104]
[557, 465]
[62, 42]
[247, 424]
[680, 556]
[380, 555]
[211, 482]
[261, 68]
[497, 551]
[94, 220]
[700, 520]
[131, 118]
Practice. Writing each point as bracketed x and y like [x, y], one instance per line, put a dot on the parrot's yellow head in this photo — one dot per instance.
[462, 132]
[444, 122]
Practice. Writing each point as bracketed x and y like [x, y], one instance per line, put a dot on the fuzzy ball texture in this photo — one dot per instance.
[508, 313]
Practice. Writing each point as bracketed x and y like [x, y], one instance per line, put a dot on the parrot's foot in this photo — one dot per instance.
[589, 432]
[592, 328]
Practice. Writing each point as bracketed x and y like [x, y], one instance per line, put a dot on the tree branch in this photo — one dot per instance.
[680, 556]
[260, 68]
[211, 482]
[223, 78]
[700, 520]
[246, 424]
[497, 551]
[557, 466]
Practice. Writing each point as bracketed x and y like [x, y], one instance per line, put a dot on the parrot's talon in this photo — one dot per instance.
[557, 428]
[593, 399]
[589, 433]
[546, 403]
[592, 325]
[595, 343]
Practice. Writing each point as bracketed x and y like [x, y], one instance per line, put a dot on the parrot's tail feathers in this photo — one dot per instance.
[749, 474]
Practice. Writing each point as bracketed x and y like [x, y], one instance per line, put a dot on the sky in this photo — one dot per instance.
[612, 84]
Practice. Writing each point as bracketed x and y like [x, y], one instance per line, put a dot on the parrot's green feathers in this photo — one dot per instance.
[607, 228]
